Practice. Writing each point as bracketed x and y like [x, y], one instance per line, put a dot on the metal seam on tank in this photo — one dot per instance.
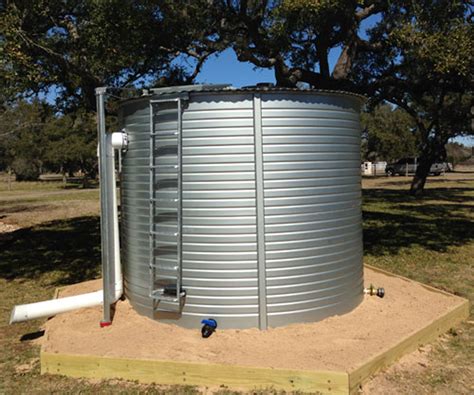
[293, 294]
[317, 274]
[294, 222]
[307, 266]
[347, 275]
[310, 266]
[275, 243]
[313, 222]
[290, 312]
[222, 315]
[307, 301]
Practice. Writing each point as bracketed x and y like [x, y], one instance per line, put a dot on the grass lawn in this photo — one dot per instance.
[57, 243]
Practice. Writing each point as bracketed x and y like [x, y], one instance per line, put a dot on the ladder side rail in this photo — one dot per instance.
[152, 201]
[179, 191]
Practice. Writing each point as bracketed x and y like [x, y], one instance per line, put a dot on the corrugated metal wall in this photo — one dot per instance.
[271, 206]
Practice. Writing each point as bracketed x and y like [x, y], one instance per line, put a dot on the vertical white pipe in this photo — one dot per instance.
[105, 178]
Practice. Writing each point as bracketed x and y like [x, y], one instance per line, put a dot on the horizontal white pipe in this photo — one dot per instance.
[49, 308]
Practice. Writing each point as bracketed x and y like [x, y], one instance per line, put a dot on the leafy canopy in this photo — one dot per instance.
[75, 46]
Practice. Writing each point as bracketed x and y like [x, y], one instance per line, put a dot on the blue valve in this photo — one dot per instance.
[209, 326]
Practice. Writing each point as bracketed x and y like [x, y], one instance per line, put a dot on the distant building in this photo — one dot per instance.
[373, 168]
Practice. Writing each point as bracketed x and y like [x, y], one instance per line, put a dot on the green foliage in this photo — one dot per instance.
[388, 134]
[75, 46]
[26, 169]
[457, 153]
[72, 144]
[23, 139]
[36, 139]
[295, 37]
[424, 65]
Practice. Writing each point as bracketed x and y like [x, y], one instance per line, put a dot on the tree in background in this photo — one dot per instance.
[72, 144]
[75, 46]
[388, 134]
[35, 139]
[457, 153]
[295, 37]
[22, 138]
[425, 66]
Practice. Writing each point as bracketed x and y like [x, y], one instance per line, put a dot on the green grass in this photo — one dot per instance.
[12, 198]
[430, 240]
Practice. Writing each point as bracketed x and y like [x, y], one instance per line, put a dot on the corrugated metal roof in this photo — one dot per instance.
[227, 87]
[188, 88]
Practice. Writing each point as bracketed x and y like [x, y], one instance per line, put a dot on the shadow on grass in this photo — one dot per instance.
[70, 248]
[7, 208]
[394, 220]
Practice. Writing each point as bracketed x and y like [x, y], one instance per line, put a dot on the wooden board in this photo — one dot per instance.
[429, 333]
[186, 373]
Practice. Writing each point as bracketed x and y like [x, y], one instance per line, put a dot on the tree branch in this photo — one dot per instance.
[366, 12]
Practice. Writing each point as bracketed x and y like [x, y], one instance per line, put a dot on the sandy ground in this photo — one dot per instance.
[337, 343]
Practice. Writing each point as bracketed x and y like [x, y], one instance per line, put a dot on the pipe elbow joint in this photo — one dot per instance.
[119, 140]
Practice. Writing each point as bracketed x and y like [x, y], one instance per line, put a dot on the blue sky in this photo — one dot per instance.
[226, 69]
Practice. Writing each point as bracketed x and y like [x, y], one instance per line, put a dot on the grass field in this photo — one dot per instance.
[56, 242]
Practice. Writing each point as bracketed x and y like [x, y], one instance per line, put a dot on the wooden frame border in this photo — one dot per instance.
[416, 339]
[199, 374]
[251, 378]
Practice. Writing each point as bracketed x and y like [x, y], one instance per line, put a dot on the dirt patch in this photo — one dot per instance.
[337, 343]
[7, 228]
[417, 362]
[35, 214]
[27, 367]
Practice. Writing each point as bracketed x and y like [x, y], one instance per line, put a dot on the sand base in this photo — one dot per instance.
[343, 350]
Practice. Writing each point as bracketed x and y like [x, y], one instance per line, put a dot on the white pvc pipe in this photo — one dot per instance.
[52, 307]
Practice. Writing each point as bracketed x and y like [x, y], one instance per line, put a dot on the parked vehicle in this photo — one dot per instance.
[409, 165]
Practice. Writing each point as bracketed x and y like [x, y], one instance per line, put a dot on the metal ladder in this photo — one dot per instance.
[166, 205]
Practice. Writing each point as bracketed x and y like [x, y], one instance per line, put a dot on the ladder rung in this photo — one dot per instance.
[164, 200]
[164, 134]
[164, 211]
[165, 184]
[169, 268]
[160, 295]
[165, 243]
[164, 166]
[164, 233]
[159, 276]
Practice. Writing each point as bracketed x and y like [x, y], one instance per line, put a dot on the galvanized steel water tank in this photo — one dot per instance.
[271, 204]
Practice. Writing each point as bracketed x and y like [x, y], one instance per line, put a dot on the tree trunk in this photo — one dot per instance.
[9, 179]
[63, 173]
[422, 172]
[433, 150]
[323, 59]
